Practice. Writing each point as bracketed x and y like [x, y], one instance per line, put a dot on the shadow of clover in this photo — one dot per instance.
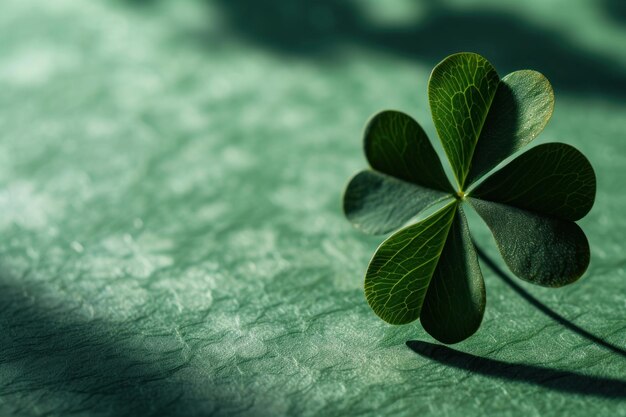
[557, 380]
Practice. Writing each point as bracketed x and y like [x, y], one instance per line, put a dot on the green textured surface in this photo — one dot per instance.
[170, 210]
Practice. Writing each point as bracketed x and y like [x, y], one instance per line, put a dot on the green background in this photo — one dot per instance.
[172, 240]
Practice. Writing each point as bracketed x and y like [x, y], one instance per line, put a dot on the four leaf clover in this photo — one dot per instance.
[429, 269]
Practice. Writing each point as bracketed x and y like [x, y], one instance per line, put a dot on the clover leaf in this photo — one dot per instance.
[429, 269]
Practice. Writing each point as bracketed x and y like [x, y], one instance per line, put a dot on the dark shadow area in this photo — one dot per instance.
[85, 365]
[564, 381]
[310, 29]
[615, 10]
[545, 309]
[319, 29]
